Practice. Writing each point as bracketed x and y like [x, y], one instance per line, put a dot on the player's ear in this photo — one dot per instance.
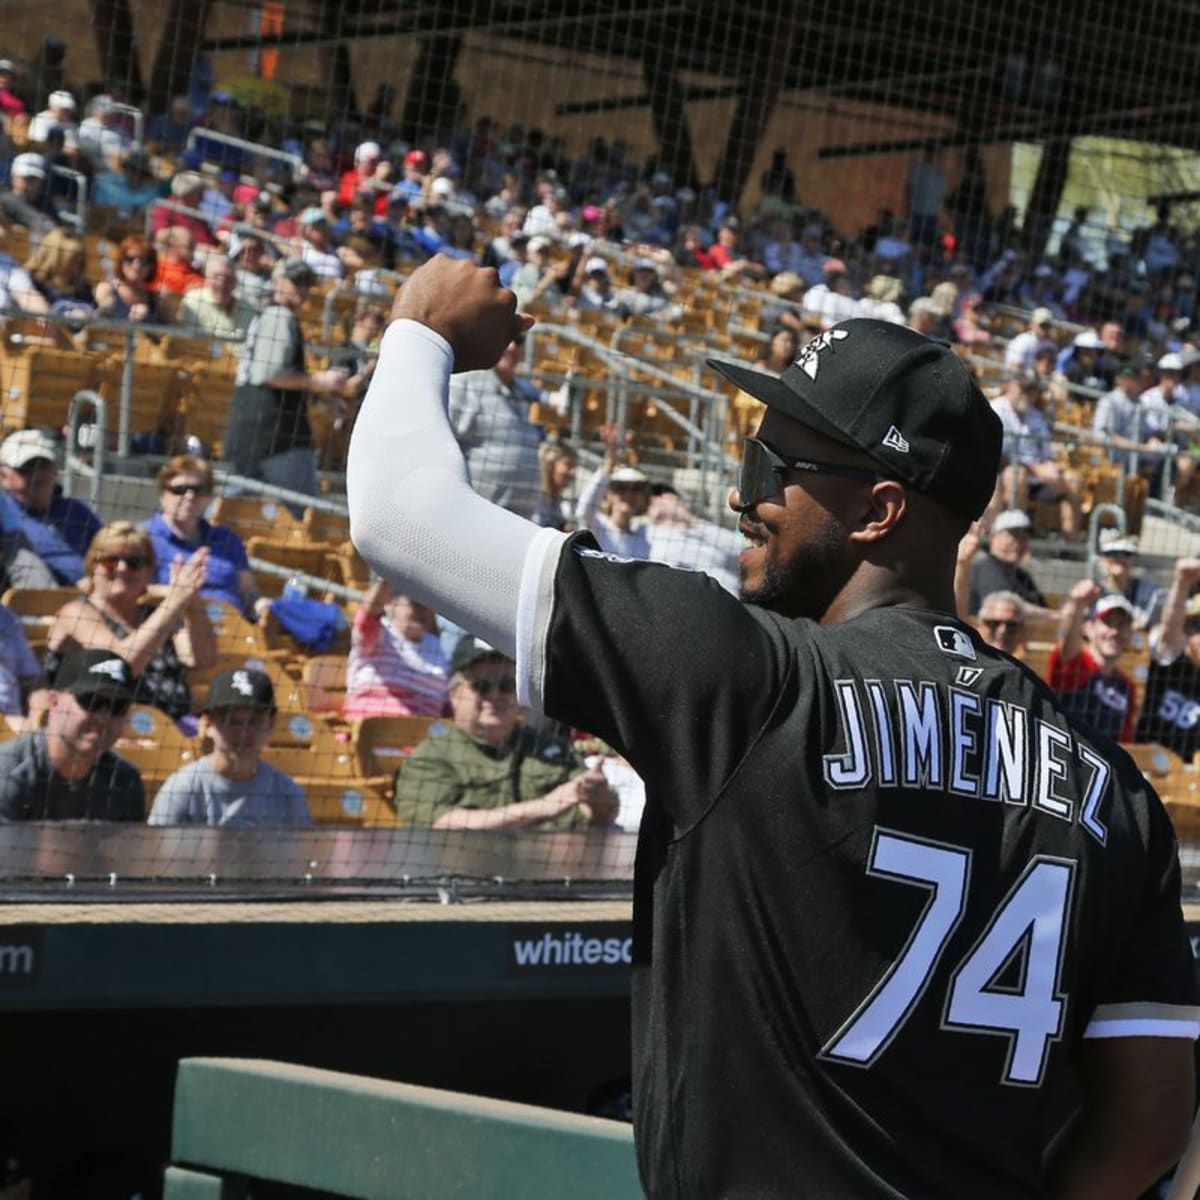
[886, 505]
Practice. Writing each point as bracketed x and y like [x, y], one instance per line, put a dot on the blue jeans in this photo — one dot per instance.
[293, 469]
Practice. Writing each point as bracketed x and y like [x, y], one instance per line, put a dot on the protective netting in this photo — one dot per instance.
[206, 208]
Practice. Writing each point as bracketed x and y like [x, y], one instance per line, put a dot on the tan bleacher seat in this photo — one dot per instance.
[206, 401]
[329, 528]
[289, 696]
[382, 743]
[301, 556]
[155, 745]
[1154, 761]
[37, 608]
[1180, 793]
[350, 803]
[156, 396]
[256, 516]
[235, 634]
[324, 679]
[322, 761]
[37, 383]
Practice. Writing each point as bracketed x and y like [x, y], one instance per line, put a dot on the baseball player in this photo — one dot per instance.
[892, 907]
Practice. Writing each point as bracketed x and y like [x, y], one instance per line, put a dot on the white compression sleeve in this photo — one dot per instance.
[416, 520]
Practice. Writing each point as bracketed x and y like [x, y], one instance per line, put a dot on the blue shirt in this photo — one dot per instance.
[227, 556]
[59, 537]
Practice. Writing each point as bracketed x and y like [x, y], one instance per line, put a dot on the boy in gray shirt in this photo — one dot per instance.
[232, 785]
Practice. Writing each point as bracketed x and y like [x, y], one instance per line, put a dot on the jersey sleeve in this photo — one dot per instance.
[1150, 988]
[664, 665]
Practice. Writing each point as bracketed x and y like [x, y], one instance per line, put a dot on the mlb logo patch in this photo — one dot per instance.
[953, 641]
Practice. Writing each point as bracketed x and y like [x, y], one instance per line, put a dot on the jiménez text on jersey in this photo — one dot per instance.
[948, 738]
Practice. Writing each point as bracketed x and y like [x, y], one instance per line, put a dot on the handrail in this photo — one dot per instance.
[1093, 539]
[82, 397]
[81, 188]
[139, 119]
[256, 148]
[246, 483]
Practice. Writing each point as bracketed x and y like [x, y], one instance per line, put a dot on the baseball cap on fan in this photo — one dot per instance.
[901, 398]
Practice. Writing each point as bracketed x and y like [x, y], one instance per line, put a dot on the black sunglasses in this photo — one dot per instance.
[763, 469]
[483, 688]
[993, 624]
[135, 562]
[182, 489]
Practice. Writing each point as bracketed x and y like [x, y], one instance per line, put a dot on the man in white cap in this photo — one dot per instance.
[1115, 572]
[1022, 350]
[45, 535]
[1087, 679]
[596, 292]
[59, 113]
[1171, 714]
[1171, 402]
[25, 202]
[999, 568]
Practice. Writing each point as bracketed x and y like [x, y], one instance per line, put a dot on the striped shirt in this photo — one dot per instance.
[388, 675]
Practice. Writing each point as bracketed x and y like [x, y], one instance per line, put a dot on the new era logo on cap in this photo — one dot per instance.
[895, 440]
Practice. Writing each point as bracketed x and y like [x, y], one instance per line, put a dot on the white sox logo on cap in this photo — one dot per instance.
[808, 361]
[241, 683]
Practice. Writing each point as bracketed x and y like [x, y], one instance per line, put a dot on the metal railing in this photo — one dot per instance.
[71, 462]
[257, 149]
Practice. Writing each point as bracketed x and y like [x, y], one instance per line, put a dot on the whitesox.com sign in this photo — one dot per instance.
[557, 949]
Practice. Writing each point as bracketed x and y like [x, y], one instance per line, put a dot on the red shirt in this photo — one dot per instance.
[175, 277]
[352, 183]
[1106, 703]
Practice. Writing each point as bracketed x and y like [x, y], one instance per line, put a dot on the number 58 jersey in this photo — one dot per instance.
[884, 888]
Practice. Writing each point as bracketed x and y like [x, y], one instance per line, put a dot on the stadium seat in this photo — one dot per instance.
[256, 516]
[1154, 761]
[289, 696]
[328, 528]
[324, 679]
[300, 556]
[382, 743]
[155, 397]
[350, 803]
[235, 634]
[37, 608]
[37, 383]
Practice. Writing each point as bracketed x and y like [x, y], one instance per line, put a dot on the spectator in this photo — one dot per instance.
[999, 568]
[128, 190]
[785, 306]
[924, 316]
[486, 770]
[1002, 621]
[1090, 685]
[232, 786]
[214, 308]
[745, 411]
[58, 270]
[159, 643]
[397, 667]
[45, 535]
[537, 275]
[926, 191]
[26, 202]
[252, 283]
[1171, 713]
[11, 105]
[1021, 350]
[267, 435]
[20, 674]
[68, 772]
[489, 413]
[831, 300]
[1115, 573]
[416, 168]
[368, 175]
[613, 503]
[127, 295]
[681, 539]
[558, 462]
[59, 113]
[178, 530]
[187, 192]
[101, 137]
[1129, 427]
[882, 300]
[317, 249]
[318, 168]
[596, 292]
[17, 293]
[175, 273]
[809, 264]
[1031, 470]
[498, 251]
[1170, 401]
[168, 131]
[969, 326]
[645, 296]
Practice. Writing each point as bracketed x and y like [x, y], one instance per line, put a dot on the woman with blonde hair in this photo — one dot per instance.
[558, 461]
[157, 641]
[57, 269]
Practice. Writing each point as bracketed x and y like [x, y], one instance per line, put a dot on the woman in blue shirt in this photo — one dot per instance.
[185, 487]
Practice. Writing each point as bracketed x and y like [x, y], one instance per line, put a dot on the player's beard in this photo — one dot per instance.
[804, 583]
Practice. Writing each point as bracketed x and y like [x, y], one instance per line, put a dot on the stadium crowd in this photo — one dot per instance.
[1088, 351]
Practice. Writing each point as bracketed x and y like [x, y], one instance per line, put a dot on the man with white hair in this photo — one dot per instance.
[101, 137]
[59, 113]
[214, 307]
[1020, 353]
[187, 190]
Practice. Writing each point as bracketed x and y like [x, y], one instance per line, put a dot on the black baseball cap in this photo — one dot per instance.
[298, 271]
[900, 397]
[243, 687]
[95, 673]
[469, 651]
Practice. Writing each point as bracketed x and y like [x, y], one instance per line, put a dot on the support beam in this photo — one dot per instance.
[770, 64]
[335, 61]
[116, 44]
[177, 49]
[433, 98]
[675, 156]
[1046, 194]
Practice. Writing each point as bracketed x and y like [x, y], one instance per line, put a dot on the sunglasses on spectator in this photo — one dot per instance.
[763, 469]
[183, 489]
[483, 688]
[104, 706]
[136, 258]
[135, 562]
[991, 624]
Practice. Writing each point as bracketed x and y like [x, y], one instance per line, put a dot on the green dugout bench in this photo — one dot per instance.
[242, 1119]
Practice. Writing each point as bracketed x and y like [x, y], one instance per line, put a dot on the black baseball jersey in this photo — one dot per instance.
[1171, 712]
[883, 888]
